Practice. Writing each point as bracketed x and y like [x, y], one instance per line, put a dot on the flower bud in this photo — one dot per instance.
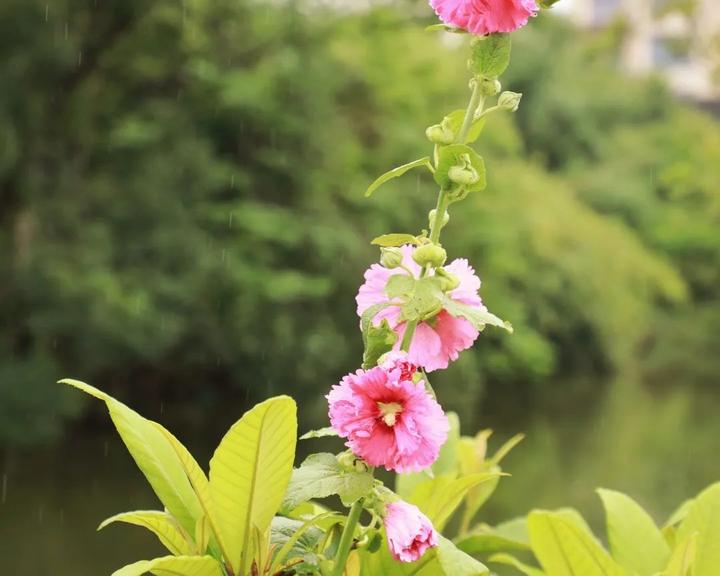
[509, 101]
[431, 218]
[391, 257]
[489, 86]
[431, 254]
[464, 173]
[441, 133]
[448, 281]
[346, 460]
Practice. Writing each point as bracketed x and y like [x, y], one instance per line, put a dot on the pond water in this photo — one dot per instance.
[659, 448]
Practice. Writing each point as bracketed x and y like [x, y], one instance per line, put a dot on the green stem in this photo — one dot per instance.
[346, 539]
[476, 102]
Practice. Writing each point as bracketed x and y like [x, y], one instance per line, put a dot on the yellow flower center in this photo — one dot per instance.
[389, 412]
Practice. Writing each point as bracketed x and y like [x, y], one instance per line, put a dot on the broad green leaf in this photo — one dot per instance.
[445, 28]
[320, 476]
[320, 433]
[509, 560]
[368, 316]
[162, 524]
[155, 457]
[680, 513]
[636, 543]
[399, 285]
[397, 172]
[203, 532]
[174, 566]
[565, 548]
[449, 156]
[704, 519]
[439, 497]
[249, 473]
[378, 341]
[456, 119]
[479, 318]
[483, 544]
[295, 539]
[455, 562]
[490, 55]
[682, 558]
[394, 240]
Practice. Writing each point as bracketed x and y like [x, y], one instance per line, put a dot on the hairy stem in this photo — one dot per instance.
[347, 538]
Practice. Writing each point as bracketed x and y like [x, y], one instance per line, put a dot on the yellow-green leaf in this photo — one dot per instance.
[682, 558]
[704, 519]
[155, 457]
[635, 541]
[510, 560]
[173, 566]
[564, 547]
[162, 524]
[250, 471]
[397, 172]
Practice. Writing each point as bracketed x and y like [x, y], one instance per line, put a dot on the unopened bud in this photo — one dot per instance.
[391, 257]
[346, 460]
[431, 254]
[441, 133]
[433, 214]
[448, 281]
[489, 86]
[463, 173]
[509, 101]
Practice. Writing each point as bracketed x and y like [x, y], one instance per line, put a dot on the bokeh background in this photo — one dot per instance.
[182, 224]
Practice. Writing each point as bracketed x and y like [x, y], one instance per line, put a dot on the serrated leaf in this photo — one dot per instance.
[249, 473]
[439, 497]
[397, 172]
[369, 315]
[565, 548]
[490, 55]
[456, 118]
[162, 524]
[509, 560]
[394, 240]
[426, 299]
[154, 456]
[378, 341]
[399, 285]
[320, 476]
[479, 318]
[449, 156]
[704, 519]
[635, 541]
[173, 566]
[320, 433]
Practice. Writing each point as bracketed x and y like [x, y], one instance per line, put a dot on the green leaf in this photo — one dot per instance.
[489, 543]
[249, 473]
[456, 118]
[509, 560]
[155, 457]
[162, 524]
[320, 433]
[680, 513]
[320, 476]
[636, 543]
[445, 28]
[564, 547]
[397, 172]
[394, 240]
[681, 561]
[477, 317]
[704, 519]
[400, 285]
[369, 315]
[174, 566]
[490, 55]
[455, 562]
[425, 300]
[295, 539]
[449, 156]
[379, 341]
[439, 497]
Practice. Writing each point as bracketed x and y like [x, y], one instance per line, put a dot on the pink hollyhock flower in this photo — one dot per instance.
[438, 341]
[409, 532]
[388, 420]
[483, 17]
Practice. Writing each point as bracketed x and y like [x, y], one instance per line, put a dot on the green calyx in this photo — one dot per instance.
[430, 254]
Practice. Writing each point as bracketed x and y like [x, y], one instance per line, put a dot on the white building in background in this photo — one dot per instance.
[663, 36]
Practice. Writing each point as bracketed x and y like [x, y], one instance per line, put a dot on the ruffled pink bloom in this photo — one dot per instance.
[409, 532]
[388, 420]
[438, 341]
[483, 17]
